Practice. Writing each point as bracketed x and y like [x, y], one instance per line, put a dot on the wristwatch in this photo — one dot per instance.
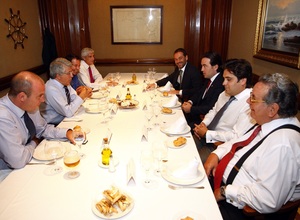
[222, 191]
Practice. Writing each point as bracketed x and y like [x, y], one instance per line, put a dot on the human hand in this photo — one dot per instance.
[176, 92]
[218, 196]
[201, 130]
[150, 86]
[186, 107]
[211, 164]
[85, 93]
[69, 136]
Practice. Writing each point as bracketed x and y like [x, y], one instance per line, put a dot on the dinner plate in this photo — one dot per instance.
[39, 153]
[95, 110]
[100, 164]
[167, 96]
[178, 104]
[188, 213]
[170, 144]
[114, 215]
[186, 130]
[98, 95]
[128, 104]
[167, 175]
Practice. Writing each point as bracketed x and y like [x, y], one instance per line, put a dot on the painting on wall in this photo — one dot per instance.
[278, 32]
[136, 24]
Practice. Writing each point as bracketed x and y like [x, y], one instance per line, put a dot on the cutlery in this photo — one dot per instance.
[173, 135]
[85, 141]
[185, 187]
[48, 163]
[72, 119]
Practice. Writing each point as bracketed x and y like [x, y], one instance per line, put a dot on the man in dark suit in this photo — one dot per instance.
[186, 79]
[202, 101]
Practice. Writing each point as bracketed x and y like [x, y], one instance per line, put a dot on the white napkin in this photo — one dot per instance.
[176, 127]
[172, 102]
[75, 118]
[187, 171]
[166, 88]
[131, 172]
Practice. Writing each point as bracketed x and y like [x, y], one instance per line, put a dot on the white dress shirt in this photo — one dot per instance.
[56, 107]
[84, 75]
[14, 152]
[270, 176]
[235, 121]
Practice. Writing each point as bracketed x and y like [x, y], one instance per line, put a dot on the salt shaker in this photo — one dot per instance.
[111, 167]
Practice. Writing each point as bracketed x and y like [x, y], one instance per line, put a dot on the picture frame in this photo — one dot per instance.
[136, 24]
[276, 39]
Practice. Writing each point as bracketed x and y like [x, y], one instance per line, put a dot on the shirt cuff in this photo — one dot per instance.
[180, 92]
[232, 196]
[210, 136]
[190, 101]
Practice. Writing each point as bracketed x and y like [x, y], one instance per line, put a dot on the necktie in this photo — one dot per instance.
[67, 94]
[207, 86]
[179, 80]
[30, 126]
[225, 160]
[91, 75]
[219, 114]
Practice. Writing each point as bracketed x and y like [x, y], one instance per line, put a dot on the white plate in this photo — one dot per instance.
[39, 153]
[186, 130]
[100, 164]
[134, 104]
[115, 215]
[167, 175]
[178, 104]
[168, 96]
[192, 214]
[98, 95]
[170, 144]
[95, 110]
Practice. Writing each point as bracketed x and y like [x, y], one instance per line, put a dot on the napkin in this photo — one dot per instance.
[166, 88]
[187, 171]
[131, 172]
[75, 118]
[145, 134]
[176, 127]
[172, 102]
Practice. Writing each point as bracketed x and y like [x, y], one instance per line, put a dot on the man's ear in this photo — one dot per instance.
[22, 96]
[273, 110]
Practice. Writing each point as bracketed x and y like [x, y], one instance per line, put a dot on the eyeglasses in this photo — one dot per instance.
[253, 100]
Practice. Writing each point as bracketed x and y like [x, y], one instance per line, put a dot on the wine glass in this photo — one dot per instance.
[160, 153]
[149, 115]
[146, 161]
[156, 110]
[53, 149]
[118, 76]
[79, 137]
[71, 160]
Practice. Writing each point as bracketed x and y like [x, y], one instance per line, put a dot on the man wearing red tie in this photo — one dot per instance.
[261, 168]
[88, 72]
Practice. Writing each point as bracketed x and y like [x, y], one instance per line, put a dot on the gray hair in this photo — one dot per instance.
[86, 51]
[59, 66]
[282, 91]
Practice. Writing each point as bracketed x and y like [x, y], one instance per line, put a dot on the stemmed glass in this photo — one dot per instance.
[146, 161]
[118, 76]
[149, 115]
[79, 137]
[151, 94]
[156, 110]
[53, 149]
[71, 160]
[160, 153]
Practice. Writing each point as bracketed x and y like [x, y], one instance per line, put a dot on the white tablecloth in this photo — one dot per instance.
[29, 194]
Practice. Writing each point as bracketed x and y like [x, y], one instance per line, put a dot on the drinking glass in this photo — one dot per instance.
[146, 161]
[149, 115]
[53, 149]
[118, 76]
[160, 154]
[156, 110]
[79, 137]
[71, 160]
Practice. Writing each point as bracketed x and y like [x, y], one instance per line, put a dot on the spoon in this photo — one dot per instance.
[185, 187]
[48, 163]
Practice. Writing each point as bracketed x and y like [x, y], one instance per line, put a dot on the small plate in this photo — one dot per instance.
[168, 96]
[114, 215]
[130, 104]
[95, 110]
[98, 95]
[188, 213]
[170, 144]
[186, 130]
[167, 175]
[39, 153]
[100, 164]
[132, 83]
[178, 104]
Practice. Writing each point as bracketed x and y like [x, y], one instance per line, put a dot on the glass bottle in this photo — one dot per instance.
[128, 95]
[133, 77]
[106, 152]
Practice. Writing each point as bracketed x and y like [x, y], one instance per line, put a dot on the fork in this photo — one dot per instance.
[48, 163]
[185, 187]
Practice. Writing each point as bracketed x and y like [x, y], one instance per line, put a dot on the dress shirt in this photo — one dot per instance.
[235, 121]
[14, 152]
[270, 176]
[56, 107]
[85, 75]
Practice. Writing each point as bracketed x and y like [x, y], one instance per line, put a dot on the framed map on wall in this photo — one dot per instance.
[136, 24]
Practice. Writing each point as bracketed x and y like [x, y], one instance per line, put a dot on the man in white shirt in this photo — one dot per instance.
[88, 73]
[61, 99]
[270, 176]
[236, 119]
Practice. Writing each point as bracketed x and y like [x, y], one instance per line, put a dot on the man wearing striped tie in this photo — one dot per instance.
[261, 168]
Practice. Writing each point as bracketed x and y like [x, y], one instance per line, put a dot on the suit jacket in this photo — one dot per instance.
[202, 105]
[191, 81]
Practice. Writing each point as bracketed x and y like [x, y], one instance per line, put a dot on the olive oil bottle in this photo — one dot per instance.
[128, 95]
[106, 152]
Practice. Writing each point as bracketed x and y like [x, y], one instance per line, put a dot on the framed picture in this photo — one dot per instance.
[277, 37]
[136, 24]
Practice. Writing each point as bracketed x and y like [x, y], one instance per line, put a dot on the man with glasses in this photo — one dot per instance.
[261, 168]
[61, 99]
[230, 117]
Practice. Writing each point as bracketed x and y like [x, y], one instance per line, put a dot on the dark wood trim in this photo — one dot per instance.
[5, 81]
[134, 62]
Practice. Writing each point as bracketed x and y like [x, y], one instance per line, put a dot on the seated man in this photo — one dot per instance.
[267, 175]
[61, 99]
[22, 126]
[88, 73]
[186, 79]
[206, 96]
[220, 124]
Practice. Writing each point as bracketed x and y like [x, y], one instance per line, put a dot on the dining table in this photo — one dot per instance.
[30, 193]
